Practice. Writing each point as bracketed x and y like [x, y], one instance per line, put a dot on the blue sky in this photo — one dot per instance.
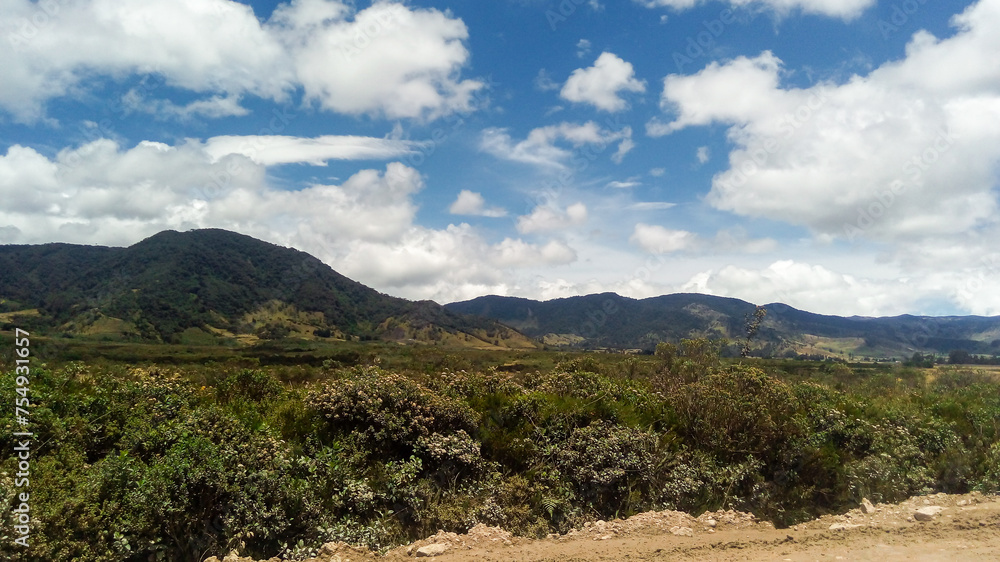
[837, 155]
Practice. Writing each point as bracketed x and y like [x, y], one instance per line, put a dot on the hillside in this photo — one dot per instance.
[610, 320]
[203, 285]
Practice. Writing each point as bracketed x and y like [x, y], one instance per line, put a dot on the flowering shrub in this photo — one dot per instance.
[607, 463]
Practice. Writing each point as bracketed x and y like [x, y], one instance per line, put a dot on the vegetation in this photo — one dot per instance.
[612, 321]
[207, 287]
[179, 462]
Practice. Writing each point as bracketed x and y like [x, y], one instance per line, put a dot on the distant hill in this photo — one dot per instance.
[612, 321]
[203, 285]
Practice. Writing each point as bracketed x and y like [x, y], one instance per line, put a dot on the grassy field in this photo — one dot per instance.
[174, 452]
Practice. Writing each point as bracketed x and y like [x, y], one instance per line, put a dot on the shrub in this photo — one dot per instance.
[254, 385]
[738, 412]
[611, 467]
[388, 412]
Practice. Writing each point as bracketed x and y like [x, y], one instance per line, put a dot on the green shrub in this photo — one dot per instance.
[611, 467]
[738, 412]
[388, 412]
[254, 385]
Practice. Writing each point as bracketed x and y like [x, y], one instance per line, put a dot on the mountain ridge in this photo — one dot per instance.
[613, 321]
[219, 283]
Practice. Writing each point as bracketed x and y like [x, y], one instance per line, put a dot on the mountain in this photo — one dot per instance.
[204, 285]
[612, 321]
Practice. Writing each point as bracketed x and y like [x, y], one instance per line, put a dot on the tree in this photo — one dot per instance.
[959, 357]
[752, 325]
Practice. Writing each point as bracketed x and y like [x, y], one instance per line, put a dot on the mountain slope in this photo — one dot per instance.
[217, 282]
[610, 320]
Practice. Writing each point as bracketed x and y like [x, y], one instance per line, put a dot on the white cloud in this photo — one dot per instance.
[658, 172]
[843, 9]
[651, 206]
[102, 193]
[544, 82]
[582, 48]
[703, 154]
[601, 84]
[810, 287]
[271, 150]
[213, 108]
[472, 203]
[656, 239]
[905, 154]
[627, 184]
[624, 147]
[387, 59]
[546, 218]
[540, 149]
[517, 253]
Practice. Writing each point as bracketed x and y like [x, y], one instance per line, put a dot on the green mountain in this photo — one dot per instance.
[210, 284]
[612, 321]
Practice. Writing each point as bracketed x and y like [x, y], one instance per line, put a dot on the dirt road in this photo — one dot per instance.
[965, 527]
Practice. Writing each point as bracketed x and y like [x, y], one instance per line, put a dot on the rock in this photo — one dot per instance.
[432, 550]
[603, 537]
[927, 513]
[682, 531]
[711, 523]
[843, 526]
[866, 507]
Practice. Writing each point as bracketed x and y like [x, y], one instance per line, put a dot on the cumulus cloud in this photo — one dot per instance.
[387, 59]
[546, 218]
[906, 153]
[103, 193]
[600, 85]
[540, 148]
[810, 287]
[473, 203]
[843, 9]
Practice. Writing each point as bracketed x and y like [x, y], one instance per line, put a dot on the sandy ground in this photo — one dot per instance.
[966, 528]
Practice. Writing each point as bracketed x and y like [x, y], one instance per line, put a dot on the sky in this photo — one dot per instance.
[840, 156]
